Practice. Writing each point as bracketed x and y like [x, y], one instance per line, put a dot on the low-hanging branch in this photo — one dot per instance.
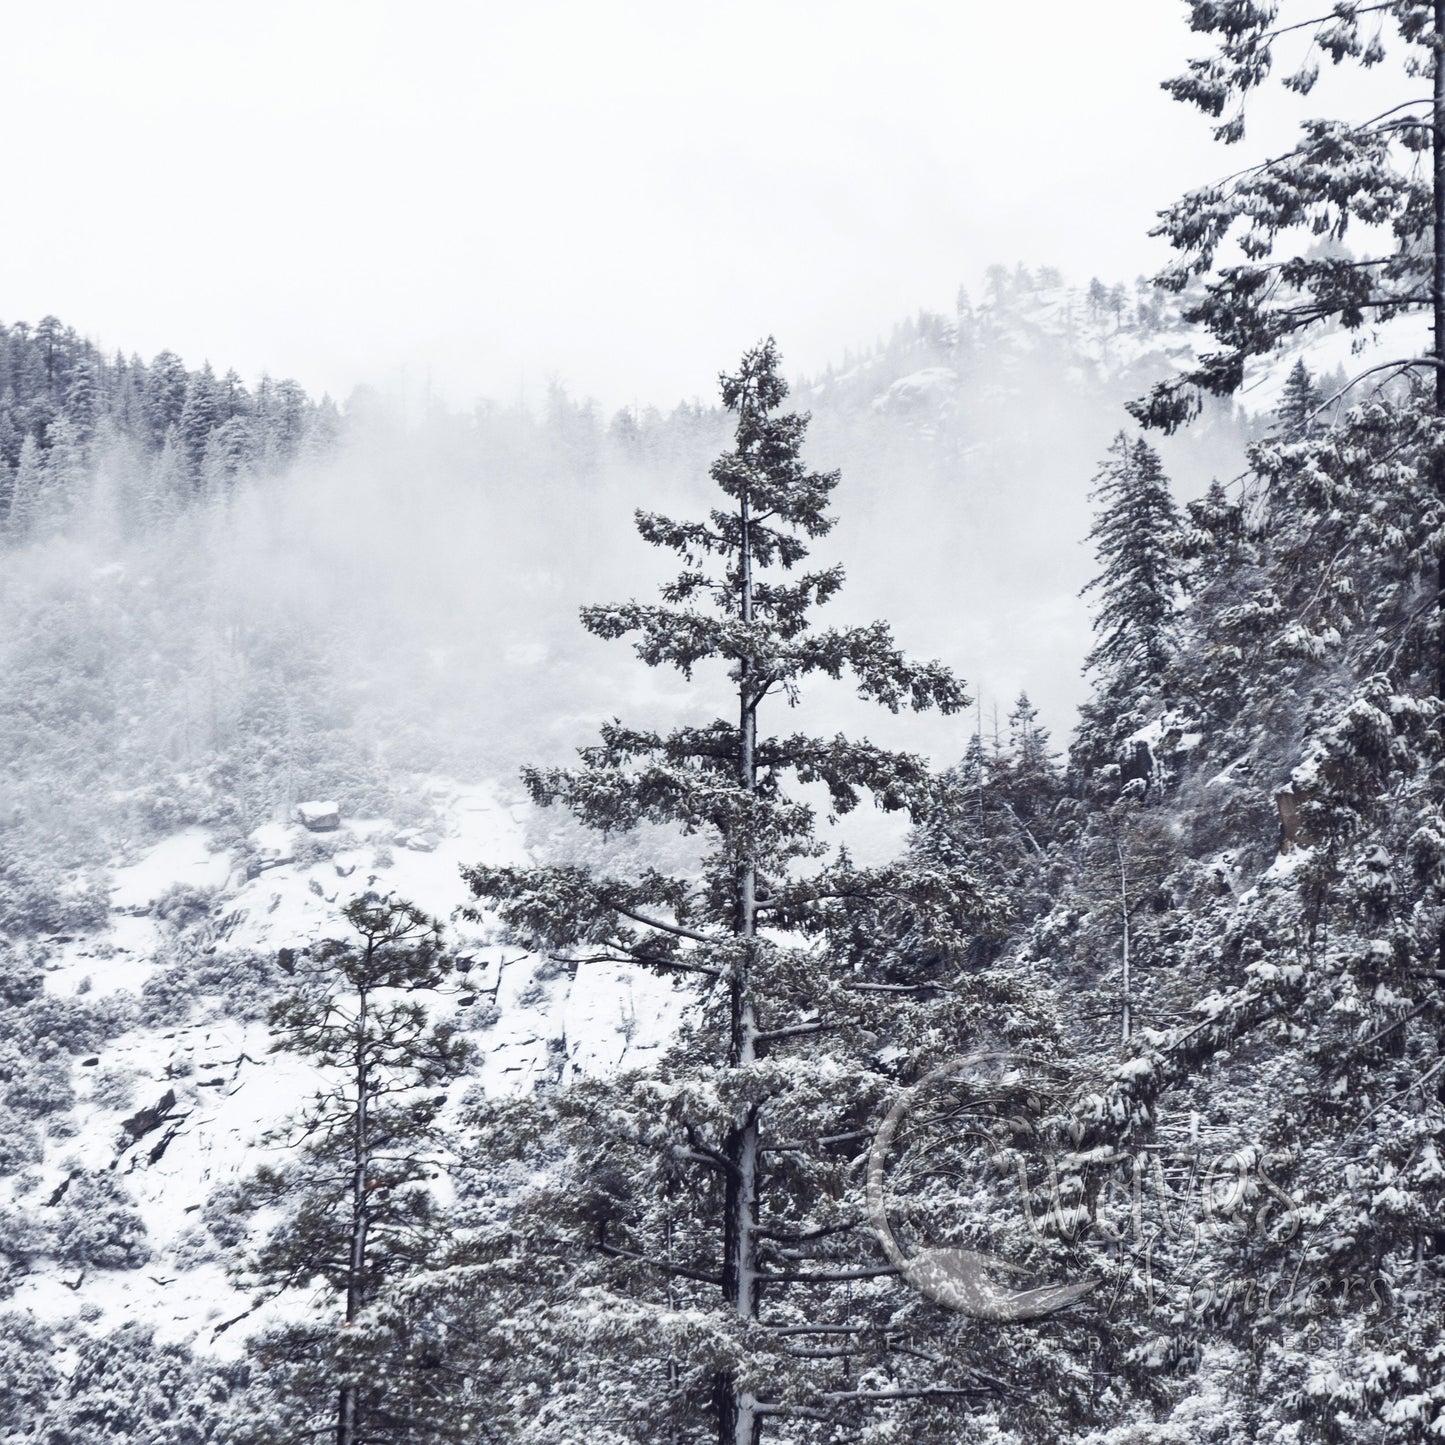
[839, 1276]
[644, 960]
[678, 1271]
[822, 1140]
[793, 1031]
[664, 927]
[783, 1237]
[928, 987]
[921, 1392]
[824, 1329]
[714, 1157]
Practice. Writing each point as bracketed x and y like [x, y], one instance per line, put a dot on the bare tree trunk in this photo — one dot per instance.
[740, 1423]
[1438, 339]
[1438, 349]
[1127, 1016]
[346, 1421]
[744, 1025]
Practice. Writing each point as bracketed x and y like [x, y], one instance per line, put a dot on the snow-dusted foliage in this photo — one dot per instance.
[78, 428]
[1109, 1109]
[1287, 945]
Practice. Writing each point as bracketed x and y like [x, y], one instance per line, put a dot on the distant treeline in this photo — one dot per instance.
[84, 431]
[171, 433]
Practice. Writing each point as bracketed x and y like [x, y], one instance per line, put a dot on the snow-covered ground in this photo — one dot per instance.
[215, 1081]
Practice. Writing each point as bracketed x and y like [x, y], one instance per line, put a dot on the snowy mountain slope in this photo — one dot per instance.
[967, 447]
[176, 1112]
[1033, 329]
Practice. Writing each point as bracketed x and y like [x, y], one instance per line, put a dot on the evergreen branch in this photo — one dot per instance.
[929, 987]
[820, 1141]
[923, 1392]
[715, 1157]
[896, 781]
[694, 1156]
[824, 1329]
[677, 1271]
[658, 923]
[783, 1237]
[1321, 20]
[643, 960]
[690, 538]
[837, 1276]
[794, 1031]
[1028, 836]
[1395, 1098]
[1301, 151]
[1403, 364]
[1399, 1023]
[881, 671]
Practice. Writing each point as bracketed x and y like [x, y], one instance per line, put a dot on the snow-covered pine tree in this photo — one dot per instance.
[997, 815]
[27, 491]
[1031, 772]
[1137, 538]
[1298, 414]
[67, 477]
[1290, 1004]
[202, 411]
[697, 1266]
[117, 1387]
[358, 1211]
[229, 454]
[82, 398]
[165, 395]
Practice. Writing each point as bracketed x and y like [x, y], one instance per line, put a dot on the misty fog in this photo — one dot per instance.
[406, 602]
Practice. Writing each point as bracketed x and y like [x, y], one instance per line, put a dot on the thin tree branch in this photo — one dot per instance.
[657, 923]
[794, 1031]
[834, 1276]
[782, 1237]
[678, 1270]
[793, 1145]
[1399, 1023]
[924, 1392]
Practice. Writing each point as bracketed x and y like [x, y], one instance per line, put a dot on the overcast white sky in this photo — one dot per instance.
[621, 193]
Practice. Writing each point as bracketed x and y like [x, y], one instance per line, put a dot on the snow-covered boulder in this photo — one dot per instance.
[319, 817]
[921, 388]
[418, 840]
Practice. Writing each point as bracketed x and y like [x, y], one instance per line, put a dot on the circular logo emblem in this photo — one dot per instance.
[967, 1280]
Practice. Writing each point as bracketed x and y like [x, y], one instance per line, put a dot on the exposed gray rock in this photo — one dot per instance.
[319, 817]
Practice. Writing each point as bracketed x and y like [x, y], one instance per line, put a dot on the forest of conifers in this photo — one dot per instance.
[1083, 1083]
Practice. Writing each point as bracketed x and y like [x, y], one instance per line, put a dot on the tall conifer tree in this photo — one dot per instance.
[357, 1208]
[718, 1192]
[26, 496]
[1137, 538]
[1298, 413]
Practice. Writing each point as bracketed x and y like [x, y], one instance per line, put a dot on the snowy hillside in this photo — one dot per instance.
[177, 1111]
[592, 1194]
